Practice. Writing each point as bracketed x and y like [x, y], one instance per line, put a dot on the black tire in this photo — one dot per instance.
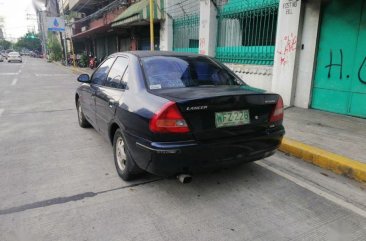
[81, 117]
[125, 165]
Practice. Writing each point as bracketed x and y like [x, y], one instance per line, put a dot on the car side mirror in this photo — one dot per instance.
[124, 85]
[84, 78]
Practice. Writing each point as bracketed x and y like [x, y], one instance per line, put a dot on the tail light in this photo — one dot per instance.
[277, 114]
[168, 120]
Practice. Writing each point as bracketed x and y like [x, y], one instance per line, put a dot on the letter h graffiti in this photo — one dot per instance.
[331, 65]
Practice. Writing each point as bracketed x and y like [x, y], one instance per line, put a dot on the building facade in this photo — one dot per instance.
[102, 28]
[312, 52]
[320, 55]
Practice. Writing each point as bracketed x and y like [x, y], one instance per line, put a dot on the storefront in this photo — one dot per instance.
[135, 21]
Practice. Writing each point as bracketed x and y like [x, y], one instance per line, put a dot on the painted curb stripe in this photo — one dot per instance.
[319, 157]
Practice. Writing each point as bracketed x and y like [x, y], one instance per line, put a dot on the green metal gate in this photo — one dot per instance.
[247, 31]
[340, 77]
[186, 34]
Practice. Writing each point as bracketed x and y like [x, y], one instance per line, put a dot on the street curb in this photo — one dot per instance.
[327, 160]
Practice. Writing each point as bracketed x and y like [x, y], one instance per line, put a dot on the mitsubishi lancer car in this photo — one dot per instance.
[170, 113]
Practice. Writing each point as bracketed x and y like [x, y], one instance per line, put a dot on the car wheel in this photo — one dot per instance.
[81, 117]
[125, 165]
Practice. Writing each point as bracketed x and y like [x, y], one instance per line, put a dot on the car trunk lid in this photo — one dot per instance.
[204, 107]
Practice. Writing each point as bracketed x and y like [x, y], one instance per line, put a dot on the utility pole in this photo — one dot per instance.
[41, 25]
[152, 44]
[73, 52]
[62, 38]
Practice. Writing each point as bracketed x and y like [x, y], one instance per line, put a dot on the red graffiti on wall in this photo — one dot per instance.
[202, 43]
[283, 60]
[289, 44]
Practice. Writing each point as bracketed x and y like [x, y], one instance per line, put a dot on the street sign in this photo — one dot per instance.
[56, 24]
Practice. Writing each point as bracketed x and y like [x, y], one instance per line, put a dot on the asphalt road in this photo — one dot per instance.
[58, 182]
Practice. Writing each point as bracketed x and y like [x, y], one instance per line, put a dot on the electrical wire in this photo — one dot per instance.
[178, 3]
[80, 8]
[103, 10]
[183, 8]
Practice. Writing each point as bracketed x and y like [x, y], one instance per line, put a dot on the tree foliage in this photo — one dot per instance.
[54, 48]
[4, 44]
[29, 41]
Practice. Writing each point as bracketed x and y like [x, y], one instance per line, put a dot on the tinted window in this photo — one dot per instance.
[101, 73]
[116, 73]
[179, 72]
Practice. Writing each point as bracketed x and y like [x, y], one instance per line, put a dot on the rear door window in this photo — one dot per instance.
[164, 72]
[117, 71]
[100, 75]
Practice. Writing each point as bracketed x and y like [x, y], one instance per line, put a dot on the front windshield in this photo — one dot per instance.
[164, 72]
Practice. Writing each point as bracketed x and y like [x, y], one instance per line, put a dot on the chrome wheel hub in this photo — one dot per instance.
[121, 154]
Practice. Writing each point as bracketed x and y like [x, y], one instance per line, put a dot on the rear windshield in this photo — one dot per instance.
[13, 54]
[164, 72]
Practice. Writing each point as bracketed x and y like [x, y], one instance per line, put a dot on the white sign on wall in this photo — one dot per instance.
[55, 24]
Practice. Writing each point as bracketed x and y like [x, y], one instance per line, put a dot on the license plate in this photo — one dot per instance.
[232, 118]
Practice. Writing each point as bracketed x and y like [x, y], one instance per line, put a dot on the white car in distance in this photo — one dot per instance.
[14, 57]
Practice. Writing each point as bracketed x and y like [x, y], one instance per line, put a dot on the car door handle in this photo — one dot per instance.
[112, 103]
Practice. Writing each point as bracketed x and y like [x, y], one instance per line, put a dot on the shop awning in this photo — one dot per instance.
[90, 32]
[138, 13]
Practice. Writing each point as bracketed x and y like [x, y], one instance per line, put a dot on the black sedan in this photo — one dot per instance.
[171, 114]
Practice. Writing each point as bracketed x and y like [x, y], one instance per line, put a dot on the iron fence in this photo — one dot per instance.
[186, 34]
[247, 31]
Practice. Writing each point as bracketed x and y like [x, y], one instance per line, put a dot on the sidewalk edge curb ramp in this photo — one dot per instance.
[327, 160]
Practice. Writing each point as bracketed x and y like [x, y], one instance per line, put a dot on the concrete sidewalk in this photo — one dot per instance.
[332, 141]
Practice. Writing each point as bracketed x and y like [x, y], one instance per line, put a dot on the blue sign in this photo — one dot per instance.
[55, 24]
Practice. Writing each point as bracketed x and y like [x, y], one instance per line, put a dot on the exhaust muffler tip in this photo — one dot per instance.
[184, 178]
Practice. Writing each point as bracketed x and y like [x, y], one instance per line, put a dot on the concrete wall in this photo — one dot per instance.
[208, 28]
[166, 30]
[287, 49]
[258, 76]
[306, 64]
[166, 34]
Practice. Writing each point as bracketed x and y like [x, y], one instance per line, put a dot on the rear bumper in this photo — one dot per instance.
[14, 60]
[168, 159]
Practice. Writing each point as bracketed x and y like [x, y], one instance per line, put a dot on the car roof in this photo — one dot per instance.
[142, 54]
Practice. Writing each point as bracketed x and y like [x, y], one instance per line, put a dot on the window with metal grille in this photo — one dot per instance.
[185, 16]
[247, 31]
[186, 34]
